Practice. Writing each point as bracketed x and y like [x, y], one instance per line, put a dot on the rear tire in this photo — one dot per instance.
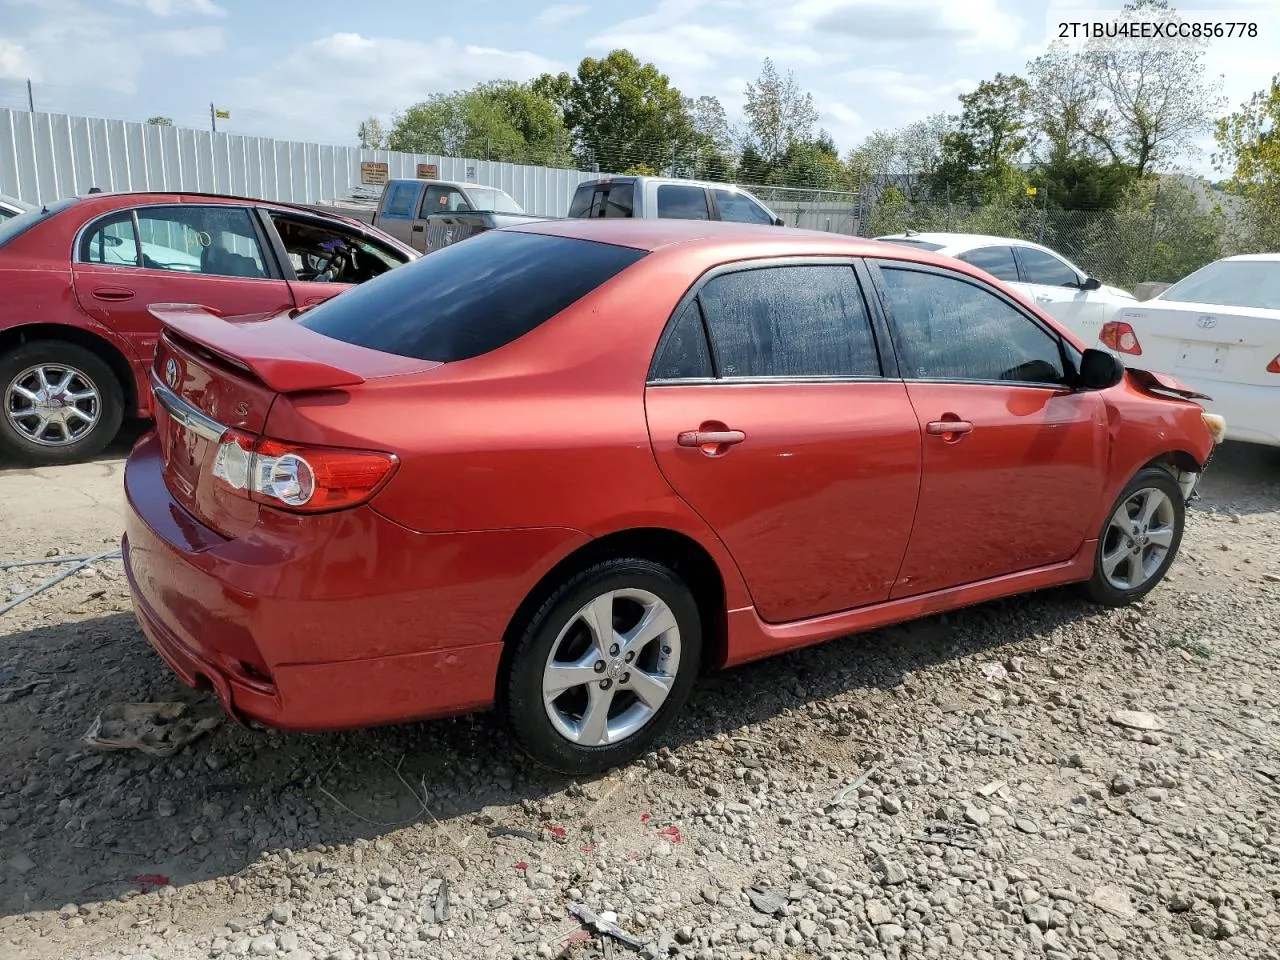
[59, 403]
[1139, 539]
[603, 667]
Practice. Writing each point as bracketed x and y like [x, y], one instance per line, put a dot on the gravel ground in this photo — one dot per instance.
[1030, 778]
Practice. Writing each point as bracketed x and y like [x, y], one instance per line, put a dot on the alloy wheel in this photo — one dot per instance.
[1138, 538]
[611, 668]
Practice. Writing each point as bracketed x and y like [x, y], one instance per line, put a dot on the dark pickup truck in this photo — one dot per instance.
[430, 214]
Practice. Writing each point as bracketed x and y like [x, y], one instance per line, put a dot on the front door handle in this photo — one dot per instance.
[1043, 299]
[713, 439]
[417, 228]
[949, 430]
[112, 294]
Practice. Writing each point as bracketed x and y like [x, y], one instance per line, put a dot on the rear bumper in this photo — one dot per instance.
[1252, 412]
[327, 622]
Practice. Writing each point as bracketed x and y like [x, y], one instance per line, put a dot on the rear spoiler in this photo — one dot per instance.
[1162, 384]
[254, 345]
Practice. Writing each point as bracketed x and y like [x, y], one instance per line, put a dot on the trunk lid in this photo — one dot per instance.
[1204, 341]
[213, 375]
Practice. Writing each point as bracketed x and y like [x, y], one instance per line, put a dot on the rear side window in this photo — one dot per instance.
[614, 200]
[678, 201]
[997, 261]
[471, 297]
[790, 321]
[685, 355]
[400, 200]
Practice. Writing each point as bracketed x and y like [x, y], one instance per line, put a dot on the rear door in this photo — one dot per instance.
[783, 434]
[211, 255]
[398, 211]
[1010, 451]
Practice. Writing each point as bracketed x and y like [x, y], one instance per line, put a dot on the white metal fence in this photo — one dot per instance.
[44, 156]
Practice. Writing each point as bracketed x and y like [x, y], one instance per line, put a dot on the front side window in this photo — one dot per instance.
[947, 328]
[443, 200]
[739, 208]
[494, 201]
[790, 321]
[324, 254]
[1046, 269]
[212, 241]
[997, 261]
[467, 299]
[679, 201]
[400, 200]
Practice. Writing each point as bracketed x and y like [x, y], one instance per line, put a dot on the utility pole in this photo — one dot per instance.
[213, 117]
[31, 97]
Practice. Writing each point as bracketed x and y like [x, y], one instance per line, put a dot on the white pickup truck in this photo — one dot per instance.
[671, 199]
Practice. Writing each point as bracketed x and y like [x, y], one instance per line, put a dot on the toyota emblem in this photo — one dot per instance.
[1207, 323]
[171, 375]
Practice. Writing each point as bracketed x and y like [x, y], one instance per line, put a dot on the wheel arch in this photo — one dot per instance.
[110, 354]
[677, 551]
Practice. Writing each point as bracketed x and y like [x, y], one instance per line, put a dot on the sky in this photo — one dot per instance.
[313, 71]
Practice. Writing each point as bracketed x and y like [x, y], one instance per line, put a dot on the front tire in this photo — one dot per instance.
[59, 403]
[603, 667]
[1139, 539]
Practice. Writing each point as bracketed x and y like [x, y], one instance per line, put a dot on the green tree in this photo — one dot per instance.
[1138, 104]
[814, 164]
[160, 121]
[904, 159]
[623, 112]
[498, 120]
[778, 113]
[1249, 151]
[1080, 181]
[371, 134]
[989, 136]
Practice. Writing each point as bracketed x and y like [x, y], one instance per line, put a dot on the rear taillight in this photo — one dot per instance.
[1118, 335]
[1274, 365]
[300, 478]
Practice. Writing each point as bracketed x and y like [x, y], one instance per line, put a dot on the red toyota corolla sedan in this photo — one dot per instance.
[77, 277]
[562, 467]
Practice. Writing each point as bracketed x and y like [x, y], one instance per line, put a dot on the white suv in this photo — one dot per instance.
[1058, 287]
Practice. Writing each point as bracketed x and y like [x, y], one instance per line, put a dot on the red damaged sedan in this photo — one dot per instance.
[563, 467]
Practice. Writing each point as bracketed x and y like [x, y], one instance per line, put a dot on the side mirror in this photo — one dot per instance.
[1100, 370]
[779, 222]
[1091, 283]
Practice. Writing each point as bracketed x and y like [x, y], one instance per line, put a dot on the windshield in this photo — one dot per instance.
[493, 201]
[16, 227]
[910, 242]
[1231, 283]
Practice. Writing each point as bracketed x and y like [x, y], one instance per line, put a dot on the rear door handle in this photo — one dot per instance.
[112, 293]
[949, 429]
[417, 228]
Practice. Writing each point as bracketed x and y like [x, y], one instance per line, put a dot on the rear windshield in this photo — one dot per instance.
[493, 201]
[909, 242]
[470, 297]
[608, 200]
[17, 226]
[1231, 283]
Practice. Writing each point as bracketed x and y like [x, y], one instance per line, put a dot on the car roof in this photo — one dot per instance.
[960, 242]
[1257, 257]
[654, 234]
[637, 178]
[16, 203]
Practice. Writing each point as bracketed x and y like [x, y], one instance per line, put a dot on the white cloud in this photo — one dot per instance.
[900, 88]
[973, 26]
[194, 42]
[558, 13]
[177, 8]
[15, 63]
[699, 49]
[379, 75]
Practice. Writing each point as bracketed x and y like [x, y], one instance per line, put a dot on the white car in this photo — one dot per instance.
[1057, 286]
[11, 207]
[1218, 331]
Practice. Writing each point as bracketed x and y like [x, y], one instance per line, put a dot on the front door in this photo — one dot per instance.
[1055, 286]
[1010, 450]
[180, 253]
[785, 437]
